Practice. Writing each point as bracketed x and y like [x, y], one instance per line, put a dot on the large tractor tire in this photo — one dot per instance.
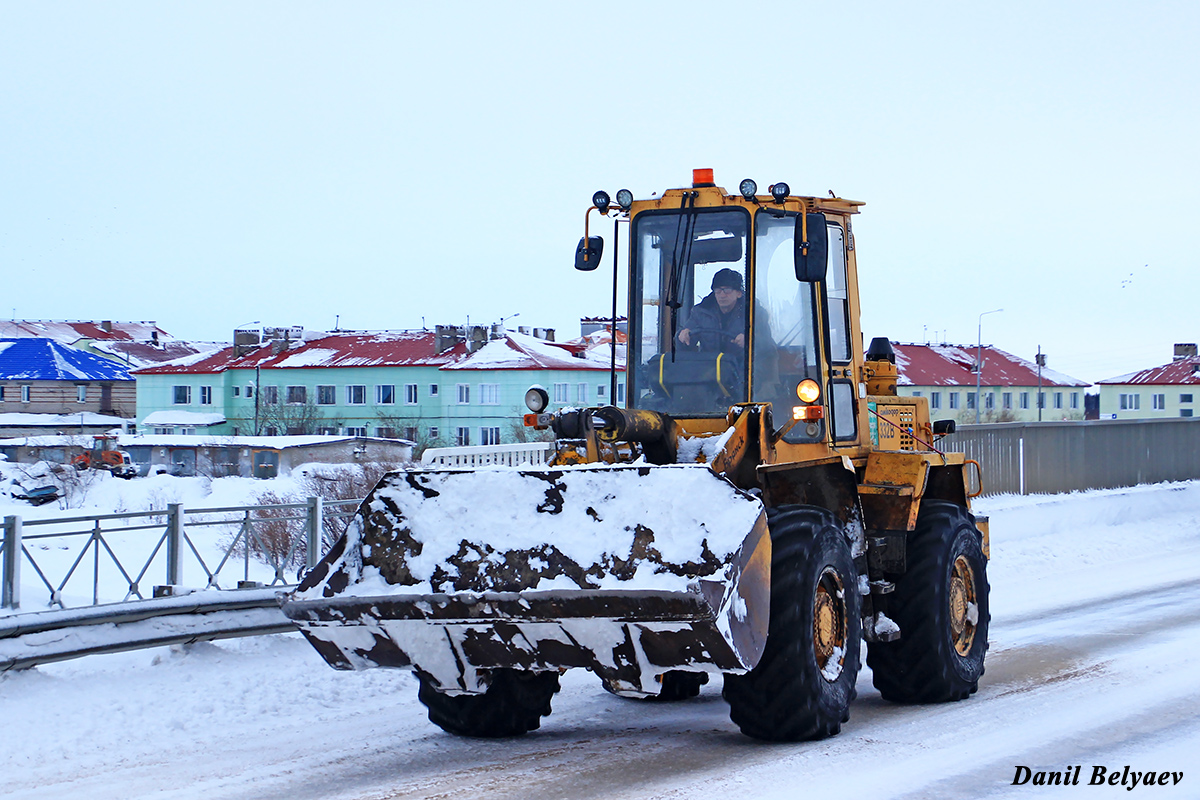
[675, 685]
[941, 606]
[513, 705]
[803, 684]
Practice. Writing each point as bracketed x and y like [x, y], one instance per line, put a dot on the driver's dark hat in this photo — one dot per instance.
[727, 278]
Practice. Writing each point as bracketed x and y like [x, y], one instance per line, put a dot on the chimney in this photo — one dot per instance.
[497, 330]
[445, 337]
[278, 346]
[546, 334]
[106, 326]
[523, 329]
[154, 338]
[243, 342]
[478, 337]
[1185, 351]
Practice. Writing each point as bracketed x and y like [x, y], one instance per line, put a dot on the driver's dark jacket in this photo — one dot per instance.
[713, 330]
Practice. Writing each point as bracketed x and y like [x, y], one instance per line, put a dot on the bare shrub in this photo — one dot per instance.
[343, 482]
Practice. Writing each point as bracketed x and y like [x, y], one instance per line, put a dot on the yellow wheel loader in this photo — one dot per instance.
[761, 505]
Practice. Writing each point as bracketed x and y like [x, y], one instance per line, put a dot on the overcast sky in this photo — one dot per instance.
[388, 165]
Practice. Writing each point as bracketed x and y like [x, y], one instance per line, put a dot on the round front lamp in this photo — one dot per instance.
[748, 188]
[625, 199]
[780, 191]
[601, 201]
[536, 399]
[807, 390]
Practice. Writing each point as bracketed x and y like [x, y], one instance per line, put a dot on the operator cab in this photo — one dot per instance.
[691, 355]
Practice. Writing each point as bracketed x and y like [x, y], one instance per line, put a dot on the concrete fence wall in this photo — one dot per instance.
[1048, 457]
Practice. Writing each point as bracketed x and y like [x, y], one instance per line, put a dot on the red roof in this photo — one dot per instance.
[387, 349]
[71, 331]
[1181, 371]
[954, 365]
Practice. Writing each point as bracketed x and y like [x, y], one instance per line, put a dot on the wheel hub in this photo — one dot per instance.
[963, 608]
[829, 625]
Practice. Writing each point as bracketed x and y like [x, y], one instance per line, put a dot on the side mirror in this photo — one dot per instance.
[943, 427]
[593, 249]
[811, 267]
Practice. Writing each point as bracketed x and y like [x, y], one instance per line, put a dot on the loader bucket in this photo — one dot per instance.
[630, 571]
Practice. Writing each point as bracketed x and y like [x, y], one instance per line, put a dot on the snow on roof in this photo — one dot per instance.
[34, 359]
[954, 365]
[1181, 371]
[521, 351]
[85, 418]
[184, 418]
[398, 349]
[71, 331]
[145, 354]
[341, 349]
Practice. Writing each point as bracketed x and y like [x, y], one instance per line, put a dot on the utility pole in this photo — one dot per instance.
[979, 362]
[1041, 362]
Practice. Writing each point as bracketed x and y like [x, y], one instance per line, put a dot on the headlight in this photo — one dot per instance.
[748, 188]
[600, 201]
[536, 399]
[808, 390]
[625, 199]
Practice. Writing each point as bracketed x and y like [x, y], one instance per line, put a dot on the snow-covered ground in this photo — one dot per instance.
[1094, 661]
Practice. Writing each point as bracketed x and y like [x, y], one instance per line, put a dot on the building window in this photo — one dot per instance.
[356, 395]
[410, 394]
[953, 399]
[463, 437]
[1, 394]
[916, 394]
[187, 431]
[81, 394]
[385, 394]
[1185, 412]
[164, 431]
[326, 395]
[489, 436]
[1024, 399]
[433, 433]
[620, 393]
[356, 431]
[327, 431]
[1041, 399]
[270, 396]
[433, 389]
[1131, 402]
[1158, 401]
[25, 393]
[411, 434]
[562, 392]
[182, 395]
[935, 400]
[249, 390]
[1185, 398]
[581, 394]
[464, 395]
[970, 400]
[1006, 400]
[601, 390]
[489, 395]
[1058, 400]
[989, 401]
[1074, 399]
[237, 391]
[272, 430]
[385, 433]
[206, 395]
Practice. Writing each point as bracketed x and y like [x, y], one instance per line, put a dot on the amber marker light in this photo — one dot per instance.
[702, 177]
[808, 413]
[808, 390]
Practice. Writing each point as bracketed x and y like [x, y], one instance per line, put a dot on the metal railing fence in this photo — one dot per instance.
[263, 540]
[1051, 457]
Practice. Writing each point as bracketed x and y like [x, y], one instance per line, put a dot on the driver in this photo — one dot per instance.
[718, 321]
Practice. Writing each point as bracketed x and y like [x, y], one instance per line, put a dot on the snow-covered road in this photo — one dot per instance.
[1094, 661]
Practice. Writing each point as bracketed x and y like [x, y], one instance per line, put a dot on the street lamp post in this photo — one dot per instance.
[979, 361]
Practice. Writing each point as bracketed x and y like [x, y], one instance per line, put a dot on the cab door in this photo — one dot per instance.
[839, 348]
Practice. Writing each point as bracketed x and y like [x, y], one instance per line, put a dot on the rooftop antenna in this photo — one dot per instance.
[337, 319]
